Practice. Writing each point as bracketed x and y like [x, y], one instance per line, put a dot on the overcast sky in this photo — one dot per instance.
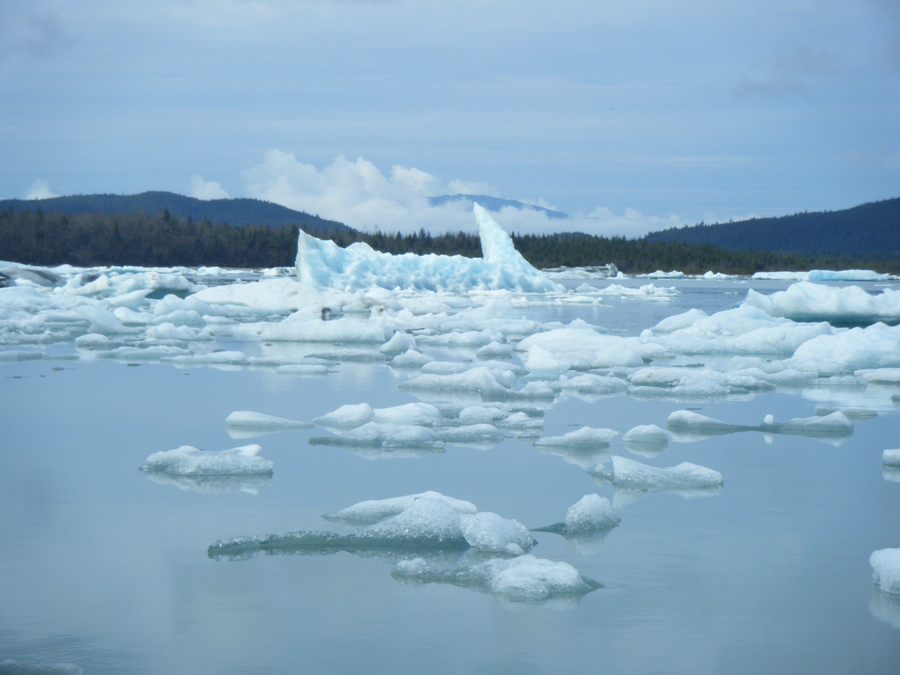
[630, 115]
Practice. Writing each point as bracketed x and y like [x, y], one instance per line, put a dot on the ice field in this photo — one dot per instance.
[397, 464]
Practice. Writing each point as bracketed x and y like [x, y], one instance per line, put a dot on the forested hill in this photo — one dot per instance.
[240, 211]
[868, 230]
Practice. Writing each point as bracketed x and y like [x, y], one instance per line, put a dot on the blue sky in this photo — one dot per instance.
[630, 115]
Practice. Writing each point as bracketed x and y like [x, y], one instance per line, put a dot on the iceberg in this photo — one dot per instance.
[190, 461]
[886, 569]
[323, 264]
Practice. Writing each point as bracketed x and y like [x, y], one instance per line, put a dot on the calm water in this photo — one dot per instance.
[104, 568]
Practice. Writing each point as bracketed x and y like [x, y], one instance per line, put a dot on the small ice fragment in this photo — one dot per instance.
[632, 475]
[592, 513]
[491, 533]
[769, 419]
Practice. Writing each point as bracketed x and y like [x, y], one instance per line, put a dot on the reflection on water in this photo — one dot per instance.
[212, 485]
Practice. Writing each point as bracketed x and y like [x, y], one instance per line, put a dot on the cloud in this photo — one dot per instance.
[40, 189]
[202, 189]
[359, 194]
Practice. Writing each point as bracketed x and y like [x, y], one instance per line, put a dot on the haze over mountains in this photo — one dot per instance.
[868, 230]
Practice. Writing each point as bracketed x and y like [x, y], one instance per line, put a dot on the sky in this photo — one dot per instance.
[629, 115]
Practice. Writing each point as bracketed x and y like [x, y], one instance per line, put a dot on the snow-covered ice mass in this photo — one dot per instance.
[462, 341]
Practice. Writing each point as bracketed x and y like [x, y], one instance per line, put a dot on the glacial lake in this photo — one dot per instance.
[106, 568]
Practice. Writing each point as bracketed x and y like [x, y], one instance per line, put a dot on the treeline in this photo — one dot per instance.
[871, 229]
[164, 240]
[158, 240]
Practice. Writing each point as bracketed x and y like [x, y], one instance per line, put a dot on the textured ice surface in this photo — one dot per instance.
[586, 437]
[589, 514]
[375, 510]
[632, 475]
[323, 264]
[422, 523]
[825, 275]
[190, 461]
[684, 423]
[891, 457]
[886, 569]
[384, 435]
[646, 438]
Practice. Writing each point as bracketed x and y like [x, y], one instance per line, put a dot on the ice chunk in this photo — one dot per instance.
[880, 375]
[886, 569]
[688, 425]
[585, 438]
[411, 359]
[494, 350]
[874, 347]
[490, 533]
[891, 457]
[805, 301]
[646, 439]
[834, 424]
[347, 416]
[322, 264]
[254, 421]
[301, 328]
[400, 342]
[418, 414]
[589, 384]
[375, 510]
[591, 513]
[632, 475]
[190, 461]
[687, 420]
[542, 364]
[524, 579]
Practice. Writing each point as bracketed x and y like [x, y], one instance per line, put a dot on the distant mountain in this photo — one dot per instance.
[494, 204]
[218, 211]
[868, 230]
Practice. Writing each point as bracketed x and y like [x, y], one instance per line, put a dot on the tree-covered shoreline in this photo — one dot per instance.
[38, 237]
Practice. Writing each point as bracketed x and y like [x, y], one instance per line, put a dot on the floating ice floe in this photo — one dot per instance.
[384, 435]
[630, 477]
[891, 457]
[824, 275]
[646, 292]
[886, 569]
[190, 461]
[805, 301]
[647, 439]
[245, 423]
[323, 264]
[687, 425]
[373, 511]
[525, 579]
[587, 523]
[427, 523]
[584, 438]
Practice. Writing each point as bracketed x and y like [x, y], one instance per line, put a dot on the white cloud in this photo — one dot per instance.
[360, 195]
[202, 189]
[40, 189]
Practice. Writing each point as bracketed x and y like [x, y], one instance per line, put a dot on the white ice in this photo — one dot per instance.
[805, 301]
[190, 461]
[631, 475]
[584, 438]
[375, 510]
[246, 419]
[891, 457]
[886, 569]
[590, 514]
